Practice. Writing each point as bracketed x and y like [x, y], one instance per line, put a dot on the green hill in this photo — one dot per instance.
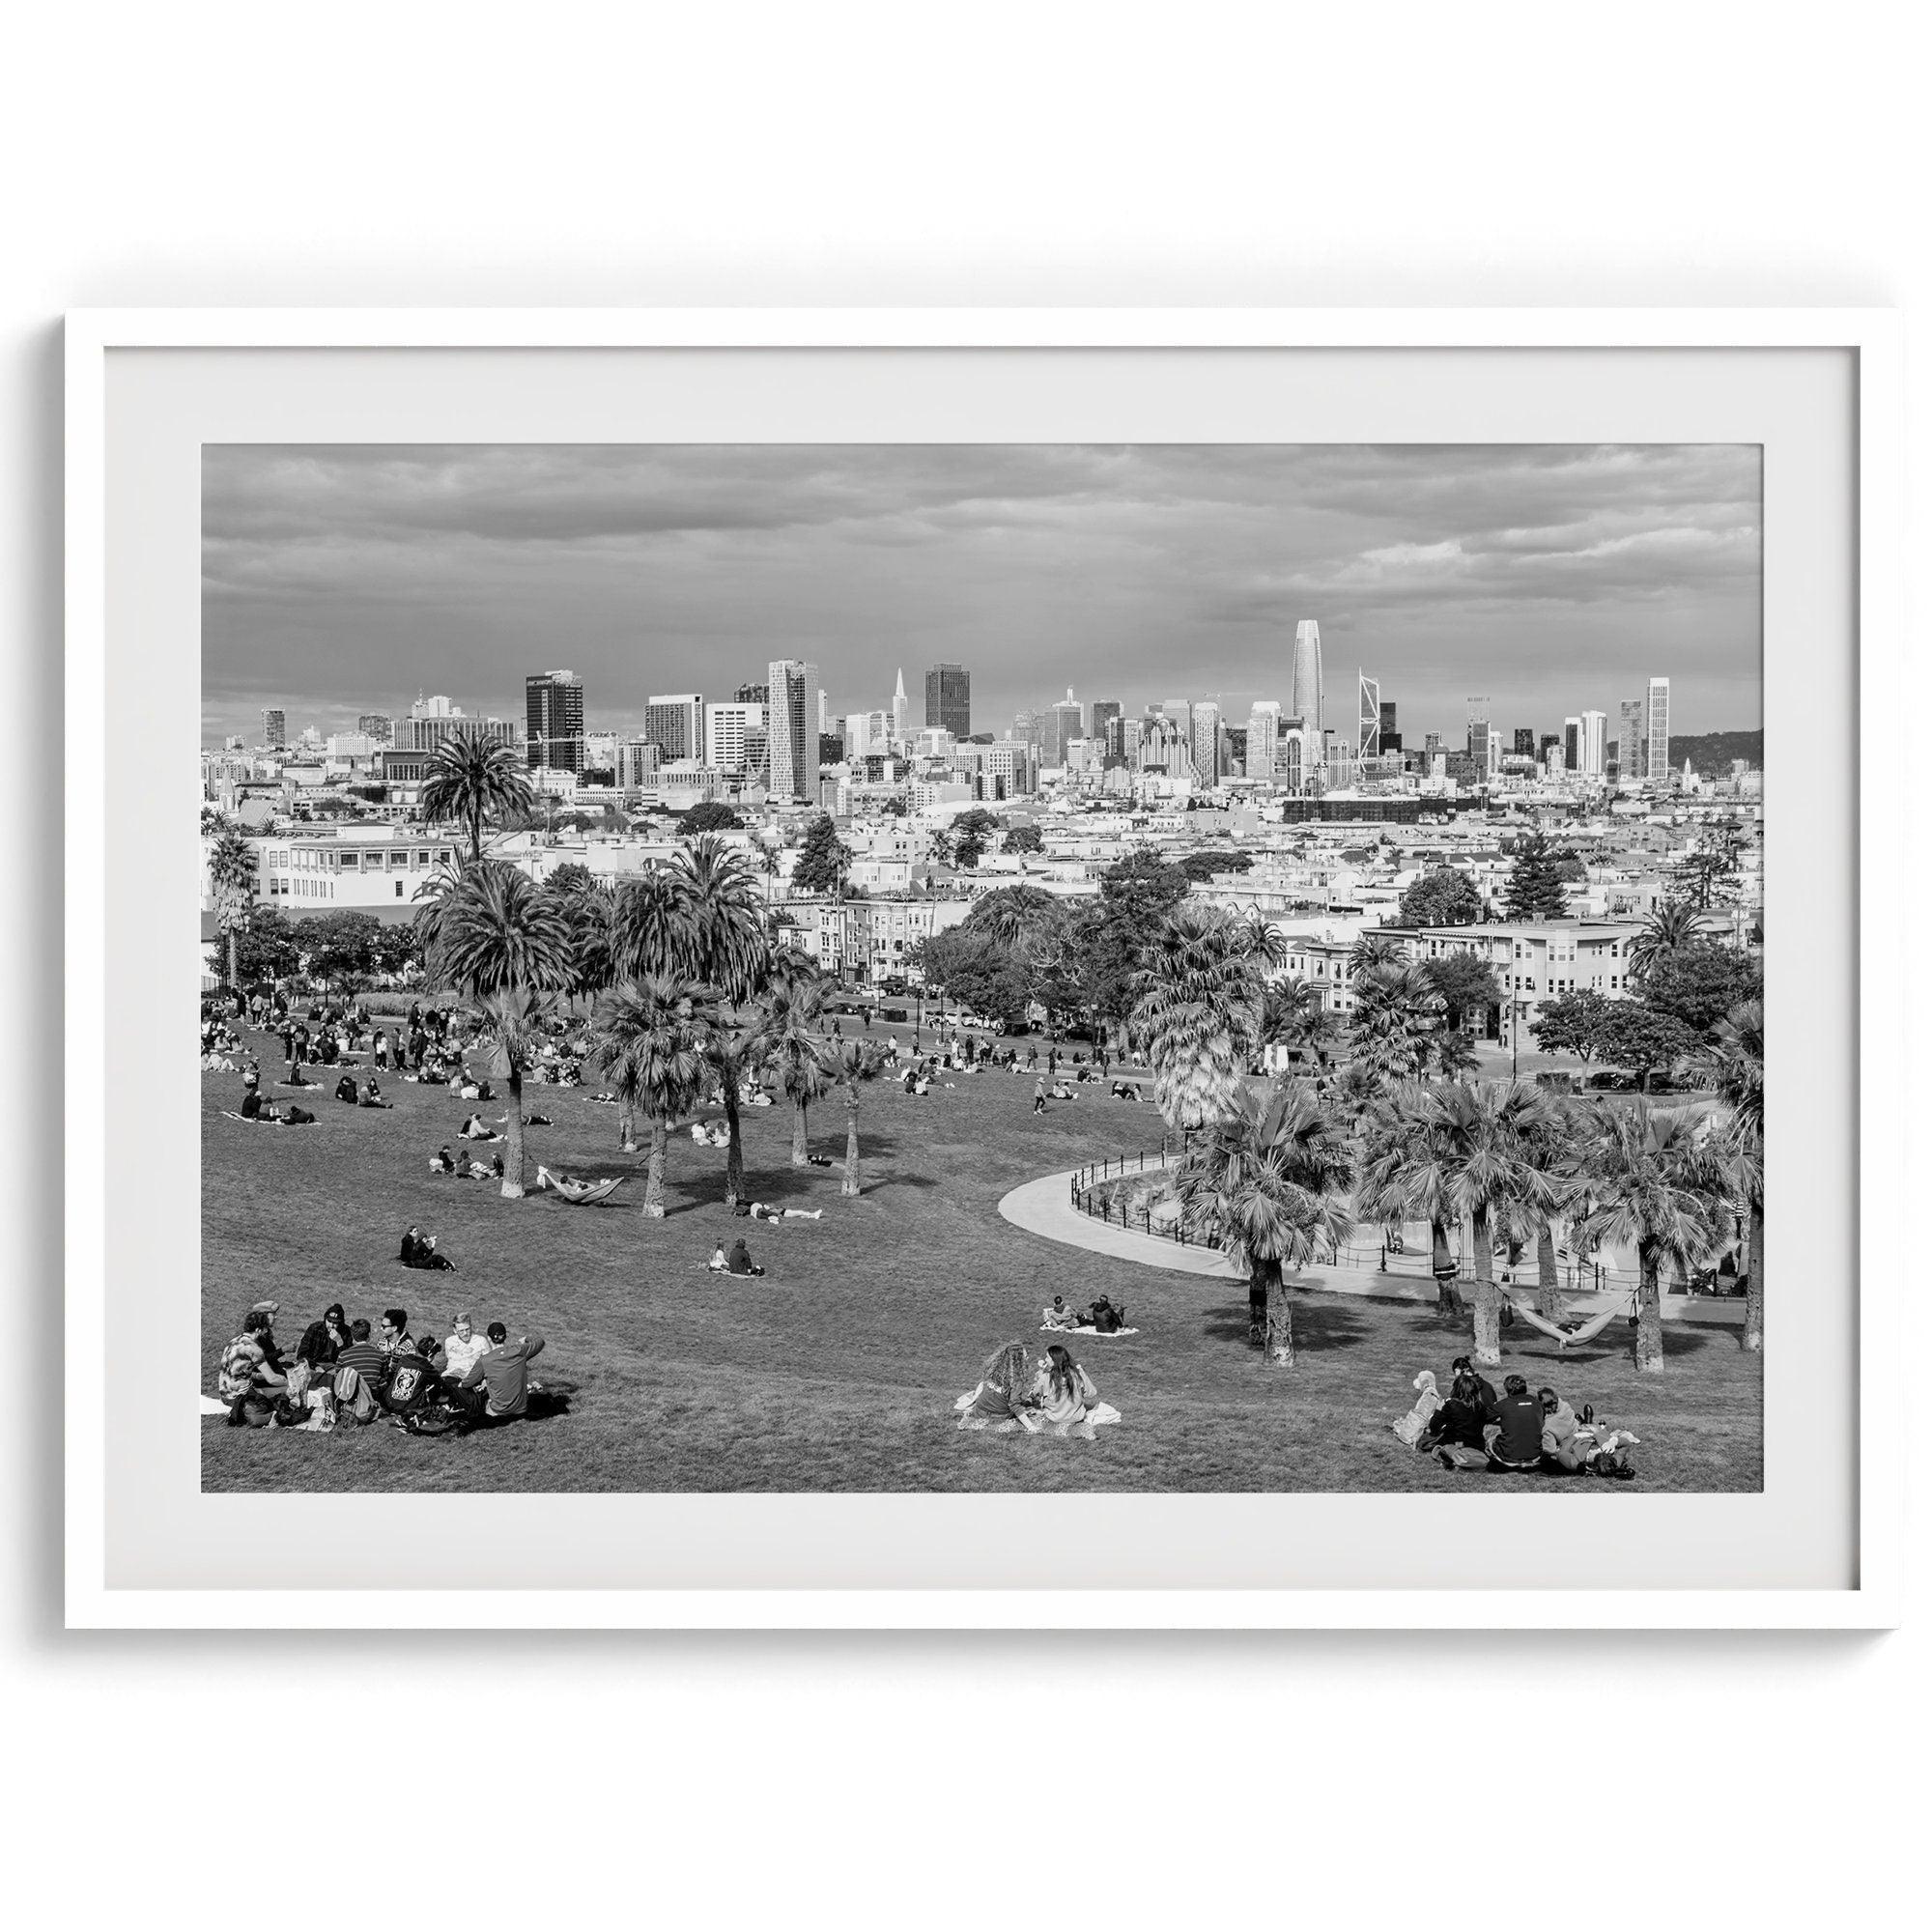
[1710, 752]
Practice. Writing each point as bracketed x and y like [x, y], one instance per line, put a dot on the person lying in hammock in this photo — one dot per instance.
[577, 1192]
[1586, 1330]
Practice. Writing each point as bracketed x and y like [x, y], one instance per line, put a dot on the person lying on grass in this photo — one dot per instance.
[763, 1211]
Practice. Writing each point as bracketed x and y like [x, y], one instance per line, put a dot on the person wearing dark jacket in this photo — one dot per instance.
[1462, 1365]
[325, 1340]
[1453, 1434]
[1518, 1443]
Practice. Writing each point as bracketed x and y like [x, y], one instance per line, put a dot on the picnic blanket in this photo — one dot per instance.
[210, 1406]
[1102, 1334]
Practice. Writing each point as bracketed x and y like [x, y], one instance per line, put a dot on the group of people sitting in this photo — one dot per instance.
[269, 1113]
[1100, 1317]
[1514, 1434]
[1051, 1396]
[343, 1368]
[1125, 1090]
[369, 1095]
[738, 1261]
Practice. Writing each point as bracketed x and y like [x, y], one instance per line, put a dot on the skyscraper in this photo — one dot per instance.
[1305, 690]
[1390, 734]
[378, 725]
[1263, 730]
[1630, 739]
[1100, 718]
[553, 720]
[675, 725]
[275, 729]
[902, 718]
[1572, 744]
[948, 699]
[1478, 741]
[1205, 744]
[1063, 723]
[1657, 729]
[1594, 722]
[793, 727]
[1525, 741]
[728, 729]
[1368, 719]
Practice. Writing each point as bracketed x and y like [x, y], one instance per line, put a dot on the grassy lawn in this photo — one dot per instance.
[839, 1370]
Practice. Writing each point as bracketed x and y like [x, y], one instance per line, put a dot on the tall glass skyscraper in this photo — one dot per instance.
[793, 723]
[1657, 729]
[1630, 739]
[949, 700]
[1369, 719]
[553, 720]
[1305, 692]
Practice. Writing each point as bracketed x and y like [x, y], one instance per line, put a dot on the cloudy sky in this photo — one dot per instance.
[340, 579]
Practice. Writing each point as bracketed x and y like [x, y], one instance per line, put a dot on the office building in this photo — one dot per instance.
[1060, 725]
[1206, 743]
[378, 725]
[1657, 729]
[1263, 734]
[553, 720]
[752, 694]
[948, 699]
[1391, 737]
[1525, 741]
[1369, 715]
[275, 729]
[1100, 719]
[793, 728]
[1493, 755]
[1572, 744]
[638, 764]
[1305, 690]
[1630, 739]
[729, 732]
[901, 715]
[1477, 743]
[674, 723]
[1594, 734]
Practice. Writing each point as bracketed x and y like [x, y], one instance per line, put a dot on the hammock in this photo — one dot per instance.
[578, 1193]
[1101, 1334]
[1566, 1337]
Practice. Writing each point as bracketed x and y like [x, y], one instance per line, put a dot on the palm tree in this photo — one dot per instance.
[1397, 1017]
[1656, 1184]
[857, 1062]
[1489, 1140]
[1454, 1055]
[502, 943]
[735, 1049]
[650, 927]
[1372, 950]
[1264, 938]
[795, 1039]
[1738, 1061]
[232, 875]
[1669, 927]
[1196, 1014]
[1293, 1016]
[1555, 1135]
[473, 778]
[587, 907]
[651, 1036]
[1407, 1174]
[1268, 1180]
[722, 936]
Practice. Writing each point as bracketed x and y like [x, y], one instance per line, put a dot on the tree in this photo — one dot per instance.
[1654, 1185]
[1196, 1014]
[500, 942]
[651, 1036]
[1700, 982]
[394, 949]
[269, 948]
[1441, 898]
[650, 927]
[1293, 1016]
[1490, 1140]
[722, 935]
[858, 1061]
[1635, 1036]
[1264, 938]
[233, 873]
[971, 831]
[1398, 1014]
[1571, 1023]
[1671, 925]
[794, 1038]
[1010, 913]
[976, 971]
[735, 1048]
[823, 860]
[588, 909]
[709, 815]
[1737, 1058]
[1268, 1181]
[1535, 888]
[1023, 838]
[340, 947]
[1468, 985]
[1198, 867]
[1138, 891]
[473, 778]
[1408, 1174]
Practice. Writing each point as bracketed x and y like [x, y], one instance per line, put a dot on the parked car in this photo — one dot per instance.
[894, 1013]
[1612, 1080]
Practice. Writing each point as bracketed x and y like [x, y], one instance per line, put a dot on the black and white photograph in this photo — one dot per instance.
[1214, 968]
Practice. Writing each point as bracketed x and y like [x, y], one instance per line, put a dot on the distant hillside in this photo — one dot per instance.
[1712, 752]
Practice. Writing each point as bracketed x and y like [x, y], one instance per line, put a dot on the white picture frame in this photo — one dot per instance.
[96, 1599]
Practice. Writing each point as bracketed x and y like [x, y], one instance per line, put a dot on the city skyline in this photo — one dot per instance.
[339, 579]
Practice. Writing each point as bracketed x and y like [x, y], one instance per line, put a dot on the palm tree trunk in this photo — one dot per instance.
[1752, 1340]
[850, 1185]
[626, 1126]
[1547, 1304]
[1278, 1329]
[233, 957]
[735, 1152]
[1488, 1303]
[1442, 1267]
[654, 1171]
[1649, 1312]
[799, 1157]
[513, 1151]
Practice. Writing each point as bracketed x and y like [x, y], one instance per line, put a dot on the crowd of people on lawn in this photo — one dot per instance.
[1517, 1432]
[359, 1371]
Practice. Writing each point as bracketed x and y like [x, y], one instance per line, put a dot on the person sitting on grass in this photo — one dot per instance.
[361, 1371]
[1453, 1434]
[497, 1389]
[325, 1340]
[412, 1384]
[372, 1095]
[442, 1162]
[418, 1251]
[394, 1333]
[1003, 1400]
[763, 1211]
[739, 1261]
[474, 1129]
[1069, 1403]
[1059, 1314]
[1104, 1318]
[464, 1346]
[345, 1090]
[247, 1381]
[1464, 1366]
[1515, 1445]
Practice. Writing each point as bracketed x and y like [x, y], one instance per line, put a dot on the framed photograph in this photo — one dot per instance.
[983, 969]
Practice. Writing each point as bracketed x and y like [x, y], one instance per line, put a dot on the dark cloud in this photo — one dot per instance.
[1551, 579]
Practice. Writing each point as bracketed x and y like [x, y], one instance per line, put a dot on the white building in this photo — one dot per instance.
[730, 732]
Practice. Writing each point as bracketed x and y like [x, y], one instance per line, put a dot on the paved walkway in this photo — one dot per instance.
[1044, 1207]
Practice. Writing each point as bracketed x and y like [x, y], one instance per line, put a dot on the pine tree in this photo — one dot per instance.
[1535, 882]
[822, 859]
